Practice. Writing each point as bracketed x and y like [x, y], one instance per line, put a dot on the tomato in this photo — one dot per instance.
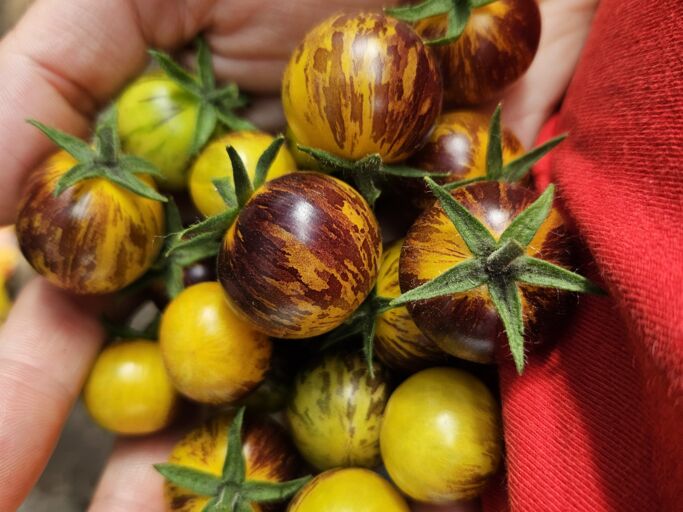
[157, 119]
[398, 342]
[301, 256]
[360, 84]
[211, 355]
[348, 490]
[441, 436]
[213, 163]
[268, 453]
[336, 410]
[457, 146]
[95, 237]
[496, 48]
[467, 324]
[128, 390]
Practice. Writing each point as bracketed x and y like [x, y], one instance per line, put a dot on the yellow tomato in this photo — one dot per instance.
[129, 391]
[213, 163]
[348, 490]
[211, 354]
[336, 411]
[441, 436]
[96, 237]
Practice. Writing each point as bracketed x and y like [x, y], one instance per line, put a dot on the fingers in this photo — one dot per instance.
[129, 482]
[46, 349]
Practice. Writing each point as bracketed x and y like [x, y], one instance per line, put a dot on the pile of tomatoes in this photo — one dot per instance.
[346, 286]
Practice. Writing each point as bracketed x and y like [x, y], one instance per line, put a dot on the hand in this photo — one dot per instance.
[63, 62]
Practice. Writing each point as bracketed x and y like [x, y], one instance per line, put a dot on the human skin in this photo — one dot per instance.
[51, 69]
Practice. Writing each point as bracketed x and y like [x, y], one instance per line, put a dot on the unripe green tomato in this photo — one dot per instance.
[128, 390]
[157, 120]
[213, 163]
[336, 411]
[441, 436]
[348, 490]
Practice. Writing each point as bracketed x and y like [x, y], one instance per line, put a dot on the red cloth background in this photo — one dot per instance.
[596, 422]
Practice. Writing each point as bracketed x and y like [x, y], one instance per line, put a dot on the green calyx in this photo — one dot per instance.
[458, 13]
[102, 159]
[366, 173]
[230, 492]
[217, 105]
[500, 265]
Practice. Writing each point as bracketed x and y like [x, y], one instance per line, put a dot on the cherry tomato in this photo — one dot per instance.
[95, 237]
[348, 490]
[128, 390]
[301, 256]
[336, 410]
[213, 163]
[398, 342]
[441, 436]
[496, 48]
[157, 119]
[268, 453]
[360, 84]
[211, 355]
[467, 324]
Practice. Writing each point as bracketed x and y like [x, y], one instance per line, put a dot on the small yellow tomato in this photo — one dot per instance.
[211, 354]
[441, 436]
[348, 490]
[213, 163]
[336, 411]
[128, 390]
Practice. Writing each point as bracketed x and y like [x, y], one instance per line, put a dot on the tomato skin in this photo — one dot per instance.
[348, 490]
[156, 120]
[301, 256]
[213, 163]
[398, 342]
[336, 410]
[497, 47]
[360, 84]
[211, 355]
[441, 436]
[128, 391]
[466, 324]
[94, 238]
[268, 453]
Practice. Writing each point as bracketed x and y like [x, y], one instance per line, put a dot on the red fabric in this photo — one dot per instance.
[596, 422]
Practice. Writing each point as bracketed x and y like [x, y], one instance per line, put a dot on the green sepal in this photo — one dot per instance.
[476, 4]
[457, 12]
[130, 182]
[537, 272]
[518, 168]
[77, 148]
[234, 467]
[243, 186]
[463, 183]
[76, 174]
[226, 191]
[210, 505]
[505, 297]
[369, 327]
[494, 148]
[176, 72]
[265, 492]
[524, 226]
[213, 228]
[233, 121]
[266, 160]
[207, 119]
[199, 482]
[198, 248]
[499, 261]
[205, 65]
[413, 13]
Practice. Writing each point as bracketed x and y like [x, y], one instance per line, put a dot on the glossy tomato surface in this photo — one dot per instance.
[301, 256]
[94, 238]
[496, 48]
[398, 342]
[267, 450]
[128, 390]
[441, 436]
[336, 410]
[157, 120]
[211, 354]
[360, 84]
[213, 163]
[348, 490]
[467, 324]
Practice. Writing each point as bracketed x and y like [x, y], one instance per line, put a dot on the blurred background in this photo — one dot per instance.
[70, 478]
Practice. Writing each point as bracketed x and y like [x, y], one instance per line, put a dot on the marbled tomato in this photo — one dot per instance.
[95, 237]
[467, 324]
[301, 256]
[497, 46]
[268, 453]
[360, 84]
[336, 410]
[398, 342]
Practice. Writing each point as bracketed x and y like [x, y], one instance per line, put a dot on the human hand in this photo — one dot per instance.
[63, 62]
